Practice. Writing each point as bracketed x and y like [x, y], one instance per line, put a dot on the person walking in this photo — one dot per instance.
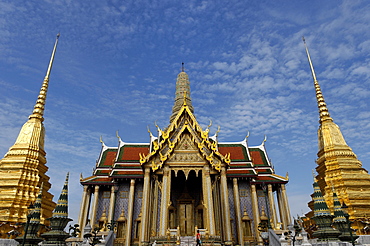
[199, 242]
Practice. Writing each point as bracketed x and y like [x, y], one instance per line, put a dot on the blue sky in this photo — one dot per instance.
[117, 62]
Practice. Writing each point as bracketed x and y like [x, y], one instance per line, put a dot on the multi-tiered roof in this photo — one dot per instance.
[127, 159]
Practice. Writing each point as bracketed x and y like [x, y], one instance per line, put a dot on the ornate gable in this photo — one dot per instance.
[184, 142]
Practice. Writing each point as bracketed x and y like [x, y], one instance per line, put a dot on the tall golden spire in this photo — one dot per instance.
[337, 165]
[323, 110]
[182, 94]
[23, 168]
[38, 111]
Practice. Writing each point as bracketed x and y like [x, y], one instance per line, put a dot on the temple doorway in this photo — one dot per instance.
[186, 194]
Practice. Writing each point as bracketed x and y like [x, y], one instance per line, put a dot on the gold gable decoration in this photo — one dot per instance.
[170, 138]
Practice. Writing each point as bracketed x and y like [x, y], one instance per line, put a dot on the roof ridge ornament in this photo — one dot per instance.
[264, 140]
[323, 110]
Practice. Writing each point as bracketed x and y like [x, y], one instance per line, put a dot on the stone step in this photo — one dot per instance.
[187, 241]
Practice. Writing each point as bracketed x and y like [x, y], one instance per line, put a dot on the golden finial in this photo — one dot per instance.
[323, 110]
[210, 124]
[38, 110]
[218, 130]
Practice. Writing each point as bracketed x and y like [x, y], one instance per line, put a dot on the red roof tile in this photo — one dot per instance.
[256, 157]
[236, 152]
[132, 153]
[108, 158]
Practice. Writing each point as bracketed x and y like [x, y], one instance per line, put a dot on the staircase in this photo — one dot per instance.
[188, 241]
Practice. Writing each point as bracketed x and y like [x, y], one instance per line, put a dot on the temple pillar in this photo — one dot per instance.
[255, 210]
[286, 204]
[155, 206]
[281, 209]
[112, 202]
[84, 209]
[130, 211]
[272, 205]
[226, 207]
[165, 201]
[208, 200]
[94, 206]
[145, 208]
[238, 211]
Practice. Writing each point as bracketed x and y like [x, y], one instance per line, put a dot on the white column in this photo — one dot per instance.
[226, 207]
[238, 211]
[286, 204]
[112, 202]
[208, 200]
[130, 211]
[272, 205]
[255, 210]
[94, 207]
[84, 209]
[282, 209]
[145, 207]
[166, 188]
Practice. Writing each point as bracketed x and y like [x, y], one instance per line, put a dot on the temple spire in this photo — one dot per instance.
[323, 110]
[61, 210]
[182, 94]
[38, 111]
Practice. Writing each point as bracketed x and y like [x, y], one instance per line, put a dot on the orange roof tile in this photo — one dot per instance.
[236, 152]
[132, 153]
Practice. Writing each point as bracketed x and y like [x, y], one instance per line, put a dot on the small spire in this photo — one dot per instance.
[182, 67]
[323, 110]
[61, 209]
[320, 206]
[36, 213]
[38, 110]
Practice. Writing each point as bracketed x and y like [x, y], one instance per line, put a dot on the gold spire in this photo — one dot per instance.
[23, 168]
[38, 111]
[182, 94]
[323, 110]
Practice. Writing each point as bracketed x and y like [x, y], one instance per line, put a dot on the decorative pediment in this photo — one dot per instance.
[184, 133]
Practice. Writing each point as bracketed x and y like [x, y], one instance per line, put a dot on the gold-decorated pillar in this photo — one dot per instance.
[84, 209]
[166, 188]
[272, 205]
[145, 208]
[207, 198]
[286, 204]
[112, 203]
[94, 206]
[130, 212]
[155, 205]
[255, 210]
[238, 211]
[226, 207]
[281, 209]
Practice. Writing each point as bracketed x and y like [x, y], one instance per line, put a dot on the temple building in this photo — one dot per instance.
[184, 180]
[23, 168]
[338, 169]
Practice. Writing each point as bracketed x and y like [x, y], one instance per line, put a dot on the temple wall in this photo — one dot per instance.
[122, 199]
